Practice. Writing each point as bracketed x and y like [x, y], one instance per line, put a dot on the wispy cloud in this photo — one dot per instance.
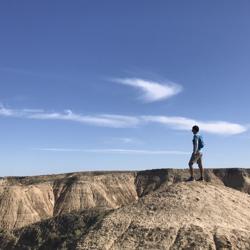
[127, 140]
[104, 120]
[117, 151]
[33, 110]
[18, 112]
[152, 91]
[6, 112]
[122, 121]
[214, 127]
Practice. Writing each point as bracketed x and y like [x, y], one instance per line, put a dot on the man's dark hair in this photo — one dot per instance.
[195, 128]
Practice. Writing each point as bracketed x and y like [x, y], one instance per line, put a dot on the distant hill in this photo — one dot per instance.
[154, 209]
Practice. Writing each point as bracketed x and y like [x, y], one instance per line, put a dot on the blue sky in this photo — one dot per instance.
[104, 85]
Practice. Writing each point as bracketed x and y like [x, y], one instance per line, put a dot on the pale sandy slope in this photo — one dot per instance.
[22, 204]
[181, 216]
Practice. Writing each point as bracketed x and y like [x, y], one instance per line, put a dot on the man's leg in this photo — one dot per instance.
[201, 167]
[191, 170]
[190, 164]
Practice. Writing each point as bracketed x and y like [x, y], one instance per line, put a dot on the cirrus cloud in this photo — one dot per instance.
[152, 91]
[124, 121]
[213, 127]
[117, 151]
[102, 120]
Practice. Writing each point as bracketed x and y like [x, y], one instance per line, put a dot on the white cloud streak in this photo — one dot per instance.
[118, 151]
[127, 140]
[122, 121]
[103, 120]
[213, 127]
[151, 91]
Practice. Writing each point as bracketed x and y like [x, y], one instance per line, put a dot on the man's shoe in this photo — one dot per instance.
[201, 179]
[191, 179]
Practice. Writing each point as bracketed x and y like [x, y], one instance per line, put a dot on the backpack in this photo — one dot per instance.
[201, 143]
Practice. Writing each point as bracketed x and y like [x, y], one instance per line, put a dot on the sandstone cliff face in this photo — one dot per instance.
[180, 216]
[22, 205]
[80, 192]
[150, 180]
[235, 178]
[27, 200]
[154, 209]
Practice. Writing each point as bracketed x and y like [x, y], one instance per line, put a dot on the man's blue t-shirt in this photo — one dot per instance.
[196, 142]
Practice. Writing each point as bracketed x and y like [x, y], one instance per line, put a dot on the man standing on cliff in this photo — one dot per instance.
[196, 156]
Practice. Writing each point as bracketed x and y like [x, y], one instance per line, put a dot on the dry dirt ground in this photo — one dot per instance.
[181, 216]
[154, 209]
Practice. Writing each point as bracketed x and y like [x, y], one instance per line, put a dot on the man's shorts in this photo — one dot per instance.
[196, 158]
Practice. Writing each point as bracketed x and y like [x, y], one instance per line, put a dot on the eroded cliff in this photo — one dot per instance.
[25, 200]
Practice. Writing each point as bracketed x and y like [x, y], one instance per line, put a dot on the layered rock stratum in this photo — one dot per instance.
[154, 209]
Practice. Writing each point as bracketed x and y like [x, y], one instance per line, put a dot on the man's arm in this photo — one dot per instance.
[196, 144]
